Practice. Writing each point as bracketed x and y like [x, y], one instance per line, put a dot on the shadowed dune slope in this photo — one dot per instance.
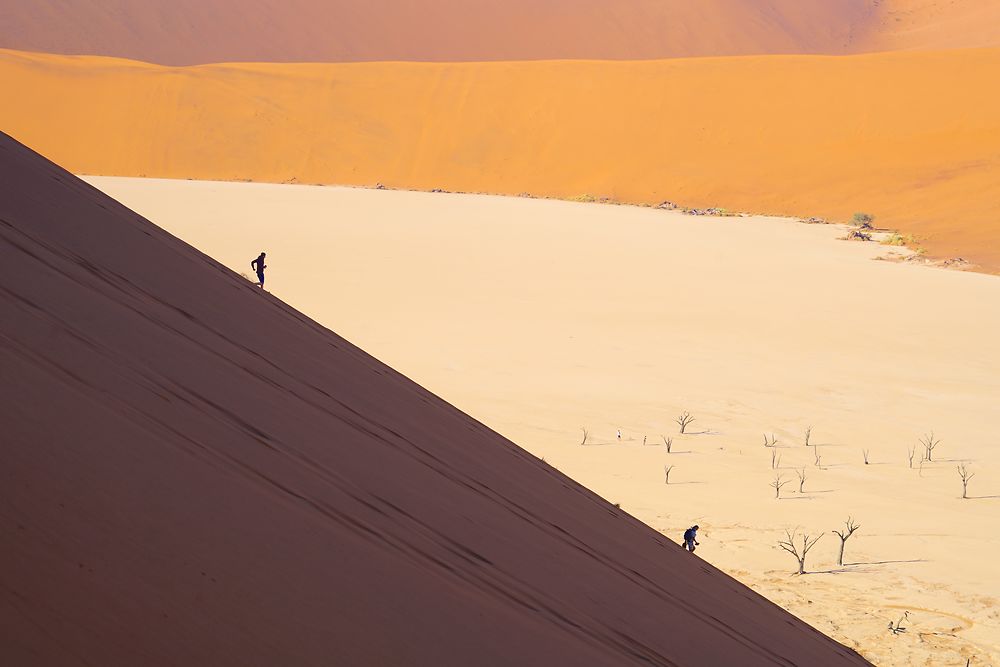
[195, 473]
[935, 24]
[184, 32]
[911, 137]
[187, 32]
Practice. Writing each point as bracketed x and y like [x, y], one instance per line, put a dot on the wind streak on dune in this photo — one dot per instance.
[913, 138]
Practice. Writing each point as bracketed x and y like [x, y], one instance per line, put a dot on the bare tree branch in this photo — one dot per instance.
[845, 534]
[684, 419]
[778, 482]
[929, 442]
[799, 550]
[966, 476]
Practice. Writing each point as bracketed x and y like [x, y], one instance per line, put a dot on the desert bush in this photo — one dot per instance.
[863, 220]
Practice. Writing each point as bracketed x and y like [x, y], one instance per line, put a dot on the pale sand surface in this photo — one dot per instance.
[911, 137]
[541, 317]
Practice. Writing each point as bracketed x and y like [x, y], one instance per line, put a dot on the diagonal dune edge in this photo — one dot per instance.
[195, 473]
[910, 137]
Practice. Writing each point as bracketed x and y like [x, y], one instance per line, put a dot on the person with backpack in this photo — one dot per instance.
[259, 266]
[690, 538]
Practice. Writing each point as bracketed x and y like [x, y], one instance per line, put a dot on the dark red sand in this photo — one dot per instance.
[193, 473]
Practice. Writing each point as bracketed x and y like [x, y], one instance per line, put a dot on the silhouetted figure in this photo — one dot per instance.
[690, 538]
[258, 265]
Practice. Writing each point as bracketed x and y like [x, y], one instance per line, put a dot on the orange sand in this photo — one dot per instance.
[911, 137]
[188, 32]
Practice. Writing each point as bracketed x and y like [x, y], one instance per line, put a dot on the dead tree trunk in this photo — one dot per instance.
[929, 442]
[684, 419]
[799, 551]
[845, 534]
[966, 476]
[778, 482]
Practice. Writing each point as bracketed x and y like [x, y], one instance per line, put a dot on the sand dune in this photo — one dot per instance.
[186, 32]
[542, 317]
[913, 138]
[933, 24]
[195, 473]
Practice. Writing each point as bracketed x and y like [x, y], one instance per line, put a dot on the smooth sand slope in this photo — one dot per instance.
[913, 138]
[542, 317]
[187, 32]
[195, 473]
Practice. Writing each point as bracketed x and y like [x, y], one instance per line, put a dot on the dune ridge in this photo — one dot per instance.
[195, 473]
[188, 32]
[911, 137]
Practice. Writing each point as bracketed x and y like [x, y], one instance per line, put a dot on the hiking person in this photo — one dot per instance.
[258, 265]
[619, 434]
[690, 538]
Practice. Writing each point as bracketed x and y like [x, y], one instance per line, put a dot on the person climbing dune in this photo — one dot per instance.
[690, 538]
[259, 266]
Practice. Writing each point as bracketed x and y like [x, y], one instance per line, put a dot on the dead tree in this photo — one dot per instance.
[809, 431]
[816, 456]
[864, 452]
[586, 434]
[966, 476]
[683, 420]
[770, 442]
[799, 550]
[845, 534]
[898, 628]
[778, 482]
[775, 459]
[802, 478]
[929, 442]
[643, 441]
[666, 474]
[911, 451]
[669, 442]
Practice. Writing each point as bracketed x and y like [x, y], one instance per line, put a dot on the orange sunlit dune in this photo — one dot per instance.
[911, 137]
